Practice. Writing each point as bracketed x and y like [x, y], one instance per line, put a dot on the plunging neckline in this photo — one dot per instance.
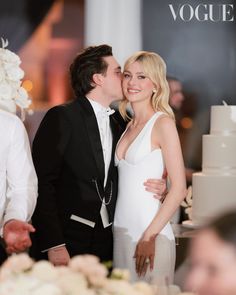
[133, 141]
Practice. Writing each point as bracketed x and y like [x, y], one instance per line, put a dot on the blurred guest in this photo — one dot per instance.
[176, 93]
[176, 100]
[213, 258]
[18, 180]
[18, 186]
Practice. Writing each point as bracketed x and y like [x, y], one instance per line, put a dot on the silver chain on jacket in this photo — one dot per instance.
[100, 197]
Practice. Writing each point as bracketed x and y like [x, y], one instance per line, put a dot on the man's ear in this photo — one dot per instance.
[97, 79]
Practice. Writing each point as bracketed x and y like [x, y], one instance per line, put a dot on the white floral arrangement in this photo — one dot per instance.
[12, 94]
[188, 203]
[85, 275]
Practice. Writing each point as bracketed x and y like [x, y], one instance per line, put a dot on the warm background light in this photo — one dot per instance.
[186, 123]
[28, 85]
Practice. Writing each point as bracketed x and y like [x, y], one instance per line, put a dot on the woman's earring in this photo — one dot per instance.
[154, 90]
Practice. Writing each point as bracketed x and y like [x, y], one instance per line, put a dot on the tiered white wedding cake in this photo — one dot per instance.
[214, 189]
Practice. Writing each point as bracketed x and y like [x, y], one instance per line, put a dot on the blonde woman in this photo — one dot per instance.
[143, 238]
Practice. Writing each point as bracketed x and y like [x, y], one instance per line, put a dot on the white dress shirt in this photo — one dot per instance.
[106, 140]
[18, 180]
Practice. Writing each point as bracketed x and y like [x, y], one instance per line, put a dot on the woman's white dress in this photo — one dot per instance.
[136, 208]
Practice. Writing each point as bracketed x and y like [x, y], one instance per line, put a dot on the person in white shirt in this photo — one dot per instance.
[18, 186]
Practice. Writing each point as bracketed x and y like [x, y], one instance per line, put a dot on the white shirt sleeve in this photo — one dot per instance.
[22, 185]
[53, 248]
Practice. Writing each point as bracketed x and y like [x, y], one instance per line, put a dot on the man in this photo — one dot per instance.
[73, 153]
[18, 186]
[176, 101]
[176, 93]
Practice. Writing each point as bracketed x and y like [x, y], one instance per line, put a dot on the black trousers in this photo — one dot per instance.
[83, 239]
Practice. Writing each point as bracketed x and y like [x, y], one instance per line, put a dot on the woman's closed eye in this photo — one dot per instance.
[128, 76]
[141, 77]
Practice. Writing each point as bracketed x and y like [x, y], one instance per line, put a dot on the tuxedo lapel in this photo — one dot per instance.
[94, 135]
[115, 138]
[115, 135]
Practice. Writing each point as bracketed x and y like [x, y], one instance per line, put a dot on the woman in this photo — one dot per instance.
[213, 258]
[143, 238]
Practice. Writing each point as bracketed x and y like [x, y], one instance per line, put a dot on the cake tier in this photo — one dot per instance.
[212, 195]
[223, 119]
[218, 152]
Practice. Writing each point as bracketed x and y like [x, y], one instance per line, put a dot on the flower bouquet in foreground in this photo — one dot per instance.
[85, 275]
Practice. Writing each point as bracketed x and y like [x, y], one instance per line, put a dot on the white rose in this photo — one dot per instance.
[23, 284]
[174, 290]
[8, 105]
[15, 84]
[189, 212]
[16, 263]
[9, 287]
[144, 288]
[11, 92]
[120, 274]
[80, 261]
[47, 289]
[62, 270]
[14, 73]
[88, 264]
[9, 56]
[21, 98]
[73, 283]
[2, 73]
[5, 90]
[44, 271]
[119, 287]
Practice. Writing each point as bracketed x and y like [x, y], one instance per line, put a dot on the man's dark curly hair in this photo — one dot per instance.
[87, 63]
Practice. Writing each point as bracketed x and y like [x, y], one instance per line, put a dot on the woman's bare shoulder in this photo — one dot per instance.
[164, 121]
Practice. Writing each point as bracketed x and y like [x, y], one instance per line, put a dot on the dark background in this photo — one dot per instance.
[201, 54]
[19, 19]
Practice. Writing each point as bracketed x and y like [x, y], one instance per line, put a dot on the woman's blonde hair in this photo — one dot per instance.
[154, 68]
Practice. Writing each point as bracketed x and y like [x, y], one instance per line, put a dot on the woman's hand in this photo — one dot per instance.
[158, 187]
[144, 255]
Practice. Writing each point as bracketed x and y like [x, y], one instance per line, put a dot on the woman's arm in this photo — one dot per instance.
[165, 136]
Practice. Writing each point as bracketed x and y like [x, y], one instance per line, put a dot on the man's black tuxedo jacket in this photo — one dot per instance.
[68, 157]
